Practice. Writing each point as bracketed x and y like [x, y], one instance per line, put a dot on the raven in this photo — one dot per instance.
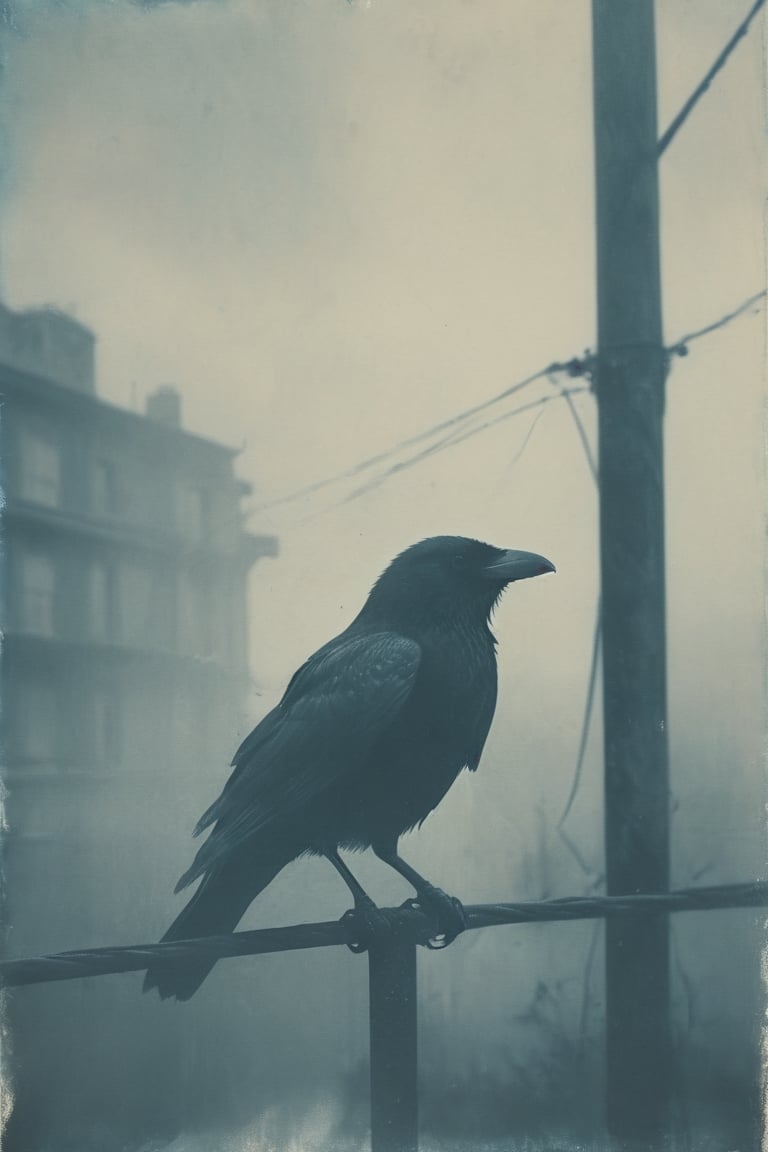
[367, 739]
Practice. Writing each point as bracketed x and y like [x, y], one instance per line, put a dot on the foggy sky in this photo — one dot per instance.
[332, 225]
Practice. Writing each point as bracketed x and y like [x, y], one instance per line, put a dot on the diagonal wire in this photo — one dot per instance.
[567, 394]
[592, 679]
[458, 422]
[453, 439]
[680, 347]
[666, 139]
[457, 436]
[586, 722]
[380, 457]
[517, 456]
[576, 852]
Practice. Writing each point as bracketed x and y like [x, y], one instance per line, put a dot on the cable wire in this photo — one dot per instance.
[456, 438]
[408, 922]
[680, 347]
[408, 442]
[666, 139]
[575, 367]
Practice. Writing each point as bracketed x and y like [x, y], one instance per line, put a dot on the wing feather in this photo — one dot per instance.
[335, 708]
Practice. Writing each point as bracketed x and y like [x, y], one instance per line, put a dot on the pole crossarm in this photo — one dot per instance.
[408, 923]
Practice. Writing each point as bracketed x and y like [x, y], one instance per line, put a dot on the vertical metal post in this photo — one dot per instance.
[630, 393]
[394, 1072]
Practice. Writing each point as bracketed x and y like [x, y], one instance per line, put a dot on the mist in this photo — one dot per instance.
[330, 227]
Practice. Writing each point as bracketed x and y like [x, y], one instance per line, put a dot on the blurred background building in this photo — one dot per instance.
[124, 671]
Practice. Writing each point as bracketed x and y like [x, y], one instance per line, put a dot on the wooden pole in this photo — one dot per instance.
[394, 1072]
[630, 393]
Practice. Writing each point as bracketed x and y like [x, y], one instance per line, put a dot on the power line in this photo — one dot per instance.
[680, 348]
[456, 438]
[509, 468]
[676, 124]
[526, 440]
[586, 722]
[575, 367]
[567, 395]
[459, 418]
[410, 441]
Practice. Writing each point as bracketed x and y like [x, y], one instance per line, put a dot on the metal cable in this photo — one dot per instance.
[407, 922]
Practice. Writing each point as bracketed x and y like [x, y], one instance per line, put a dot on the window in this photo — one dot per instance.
[105, 729]
[40, 470]
[144, 607]
[37, 722]
[190, 512]
[194, 620]
[137, 606]
[190, 728]
[37, 590]
[219, 628]
[104, 489]
[100, 602]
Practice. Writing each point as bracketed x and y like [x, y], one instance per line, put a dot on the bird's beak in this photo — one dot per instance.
[514, 565]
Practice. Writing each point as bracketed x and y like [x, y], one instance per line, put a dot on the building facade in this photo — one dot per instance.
[124, 671]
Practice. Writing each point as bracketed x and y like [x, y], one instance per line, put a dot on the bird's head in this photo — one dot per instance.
[450, 576]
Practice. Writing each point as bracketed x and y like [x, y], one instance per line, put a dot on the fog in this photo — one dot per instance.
[332, 226]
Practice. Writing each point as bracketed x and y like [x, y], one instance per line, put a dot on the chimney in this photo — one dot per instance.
[164, 406]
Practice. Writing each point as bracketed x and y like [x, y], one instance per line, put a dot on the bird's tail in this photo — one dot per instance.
[215, 910]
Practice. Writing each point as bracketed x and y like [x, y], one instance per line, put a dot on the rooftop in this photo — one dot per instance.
[49, 356]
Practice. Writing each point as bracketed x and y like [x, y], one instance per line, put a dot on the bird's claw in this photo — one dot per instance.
[366, 925]
[446, 911]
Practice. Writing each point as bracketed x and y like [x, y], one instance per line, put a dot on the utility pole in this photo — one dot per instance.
[630, 374]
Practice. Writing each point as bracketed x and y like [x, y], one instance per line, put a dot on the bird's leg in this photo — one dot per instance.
[447, 910]
[369, 922]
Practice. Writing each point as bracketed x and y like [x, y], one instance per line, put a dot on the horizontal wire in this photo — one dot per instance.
[408, 924]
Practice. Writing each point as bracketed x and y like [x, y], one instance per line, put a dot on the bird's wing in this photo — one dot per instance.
[335, 708]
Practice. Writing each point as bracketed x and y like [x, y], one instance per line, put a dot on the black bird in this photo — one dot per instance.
[368, 738]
